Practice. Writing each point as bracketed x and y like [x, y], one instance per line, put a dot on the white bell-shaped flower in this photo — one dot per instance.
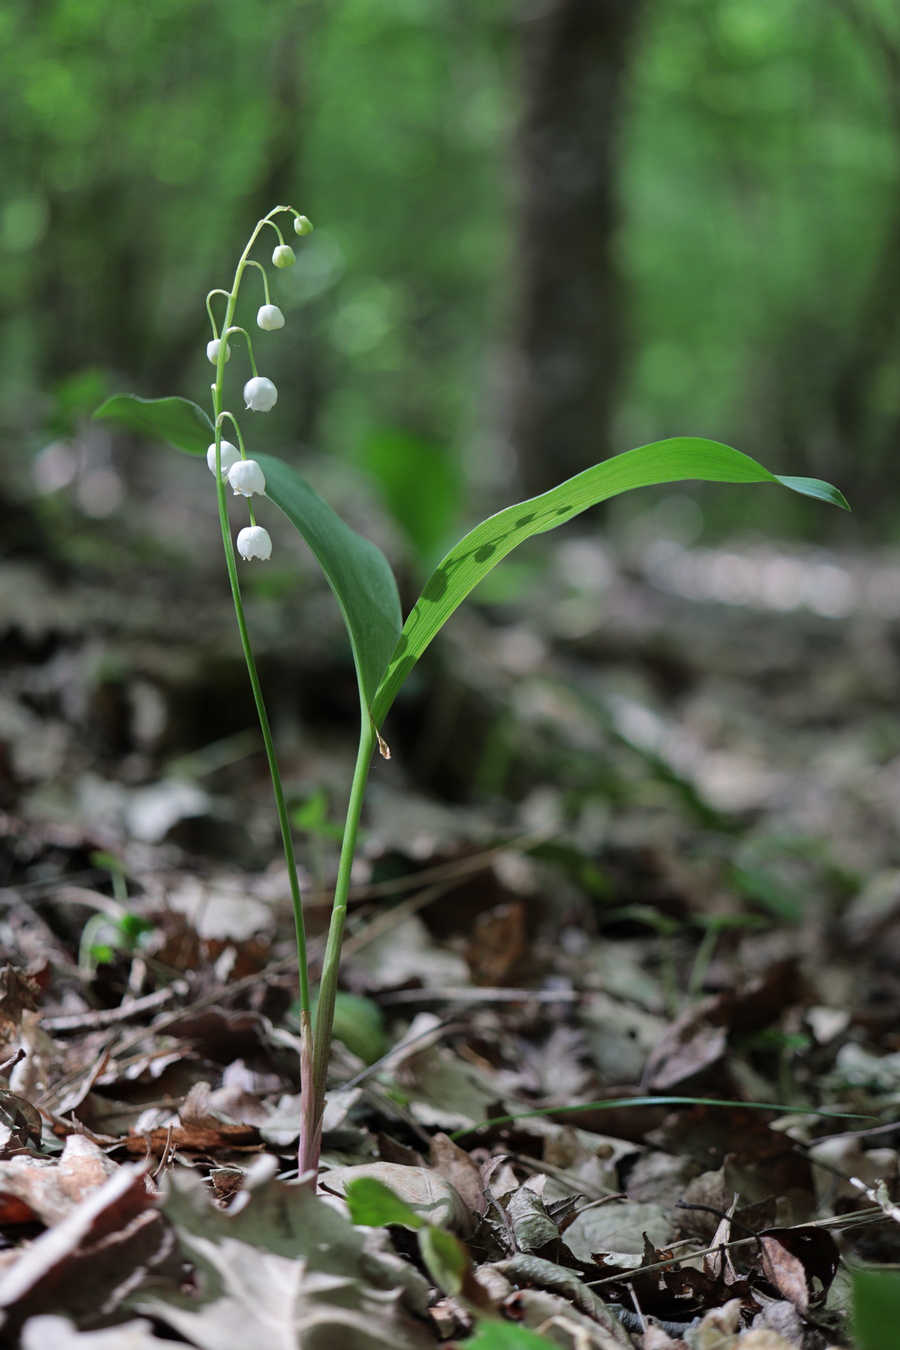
[254, 542]
[260, 394]
[212, 350]
[247, 478]
[283, 256]
[230, 455]
[269, 317]
[302, 225]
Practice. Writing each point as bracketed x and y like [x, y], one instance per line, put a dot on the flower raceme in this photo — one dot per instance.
[254, 542]
[260, 394]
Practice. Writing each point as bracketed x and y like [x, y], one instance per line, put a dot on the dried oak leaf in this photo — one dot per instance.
[86, 1264]
[459, 1168]
[49, 1189]
[248, 1295]
[792, 1259]
[284, 1265]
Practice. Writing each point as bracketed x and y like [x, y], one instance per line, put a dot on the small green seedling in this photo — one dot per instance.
[116, 931]
[385, 649]
[445, 1258]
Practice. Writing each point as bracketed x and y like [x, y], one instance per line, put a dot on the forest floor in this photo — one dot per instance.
[639, 838]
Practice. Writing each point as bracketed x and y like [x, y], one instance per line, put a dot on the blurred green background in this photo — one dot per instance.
[733, 166]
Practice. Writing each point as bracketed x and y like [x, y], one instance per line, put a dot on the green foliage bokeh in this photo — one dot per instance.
[760, 183]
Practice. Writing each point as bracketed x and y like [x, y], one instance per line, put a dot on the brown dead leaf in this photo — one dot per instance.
[655, 1338]
[207, 1141]
[793, 1258]
[456, 1166]
[498, 945]
[786, 1271]
[88, 1261]
[20, 1124]
[762, 1338]
[46, 1189]
[550, 1315]
[18, 995]
[688, 1048]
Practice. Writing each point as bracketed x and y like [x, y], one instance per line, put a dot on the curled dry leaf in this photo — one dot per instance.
[456, 1166]
[91, 1258]
[794, 1258]
[550, 1315]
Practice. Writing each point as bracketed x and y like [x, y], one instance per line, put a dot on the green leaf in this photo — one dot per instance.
[482, 548]
[611, 1103]
[372, 1203]
[876, 1309]
[355, 569]
[507, 1336]
[176, 420]
[421, 484]
[446, 1259]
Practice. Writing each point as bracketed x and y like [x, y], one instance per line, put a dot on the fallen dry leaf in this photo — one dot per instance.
[58, 1333]
[426, 1192]
[86, 1263]
[46, 1189]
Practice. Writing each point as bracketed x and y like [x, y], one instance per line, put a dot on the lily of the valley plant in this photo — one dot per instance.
[385, 649]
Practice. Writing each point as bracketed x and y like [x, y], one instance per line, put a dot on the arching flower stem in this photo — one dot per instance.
[308, 1090]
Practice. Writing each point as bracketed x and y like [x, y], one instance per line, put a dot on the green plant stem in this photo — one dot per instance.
[311, 1140]
[231, 563]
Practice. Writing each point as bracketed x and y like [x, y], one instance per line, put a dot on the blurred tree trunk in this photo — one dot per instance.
[570, 339]
[871, 356]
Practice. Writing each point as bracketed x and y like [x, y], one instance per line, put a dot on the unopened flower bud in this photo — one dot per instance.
[229, 455]
[254, 542]
[283, 256]
[269, 317]
[302, 225]
[212, 350]
[246, 477]
[260, 394]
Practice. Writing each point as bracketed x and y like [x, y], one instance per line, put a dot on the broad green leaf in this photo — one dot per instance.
[446, 1259]
[372, 1203]
[355, 569]
[422, 485]
[482, 548]
[177, 420]
[876, 1309]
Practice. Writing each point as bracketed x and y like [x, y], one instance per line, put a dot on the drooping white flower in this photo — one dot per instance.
[269, 317]
[212, 350]
[302, 225]
[254, 542]
[246, 477]
[230, 455]
[260, 394]
[283, 256]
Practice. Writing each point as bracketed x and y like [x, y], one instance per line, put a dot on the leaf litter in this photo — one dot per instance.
[692, 892]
